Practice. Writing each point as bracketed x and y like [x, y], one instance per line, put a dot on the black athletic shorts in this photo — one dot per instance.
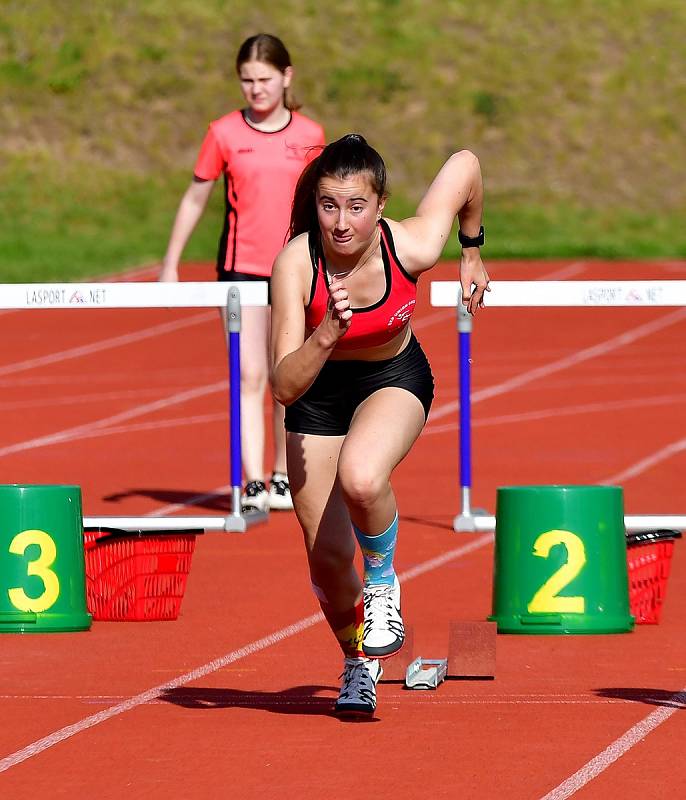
[327, 407]
[223, 275]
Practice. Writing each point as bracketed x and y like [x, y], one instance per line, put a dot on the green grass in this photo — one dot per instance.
[574, 108]
[74, 223]
[73, 228]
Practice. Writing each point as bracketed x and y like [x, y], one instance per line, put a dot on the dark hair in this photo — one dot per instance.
[269, 50]
[347, 156]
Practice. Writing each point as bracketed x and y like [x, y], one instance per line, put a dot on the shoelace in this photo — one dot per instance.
[280, 485]
[253, 488]
[379, 599]
[358, 682]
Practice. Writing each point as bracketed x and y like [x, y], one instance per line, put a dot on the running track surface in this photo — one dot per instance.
[234, 699]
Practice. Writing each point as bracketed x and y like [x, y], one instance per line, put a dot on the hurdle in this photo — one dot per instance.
[189, 294]
[542, 294]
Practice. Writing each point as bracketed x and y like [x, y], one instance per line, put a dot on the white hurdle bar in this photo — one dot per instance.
[526, 294]
[184, 294]
[482, 523]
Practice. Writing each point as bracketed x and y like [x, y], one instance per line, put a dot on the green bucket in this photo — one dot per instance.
[560, 560]
[42, 565]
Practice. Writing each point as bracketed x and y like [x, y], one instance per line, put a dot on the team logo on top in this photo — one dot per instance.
[402, 315]
[295, 150]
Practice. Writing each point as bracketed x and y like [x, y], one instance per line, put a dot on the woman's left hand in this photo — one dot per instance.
[474, 280]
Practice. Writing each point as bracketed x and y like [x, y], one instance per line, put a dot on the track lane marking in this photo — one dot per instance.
[69, 434]
[618, 748]
[301, 625]
[105, 344]
[600, 349]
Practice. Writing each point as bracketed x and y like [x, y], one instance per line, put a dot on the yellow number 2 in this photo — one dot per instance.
[546, 600]
[40, 567]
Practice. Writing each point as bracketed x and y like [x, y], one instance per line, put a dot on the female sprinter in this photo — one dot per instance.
[355, 382]
[260, 152]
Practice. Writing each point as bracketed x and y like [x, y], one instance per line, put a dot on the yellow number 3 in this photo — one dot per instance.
[40, 567]
[546, 600]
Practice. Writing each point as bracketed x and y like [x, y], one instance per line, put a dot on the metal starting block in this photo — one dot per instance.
[426, 673]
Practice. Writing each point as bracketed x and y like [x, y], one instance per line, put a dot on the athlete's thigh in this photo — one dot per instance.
[383, 429]
[312, 473]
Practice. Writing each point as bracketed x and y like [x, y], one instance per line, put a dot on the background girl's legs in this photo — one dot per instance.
[254, 375]
[372, 449]
[279, 489]
[254, 380]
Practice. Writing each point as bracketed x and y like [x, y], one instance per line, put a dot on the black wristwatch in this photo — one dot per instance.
[471, 241]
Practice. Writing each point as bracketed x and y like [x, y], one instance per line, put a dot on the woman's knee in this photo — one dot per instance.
[254, 378]
[361, 484]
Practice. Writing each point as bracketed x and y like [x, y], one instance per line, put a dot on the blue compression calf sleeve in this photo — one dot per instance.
[378, 552]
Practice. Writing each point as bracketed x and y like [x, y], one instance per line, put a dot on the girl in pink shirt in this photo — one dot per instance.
[260, 152]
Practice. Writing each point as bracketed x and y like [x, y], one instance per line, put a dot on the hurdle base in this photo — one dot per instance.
[239, 523]
[473, 521]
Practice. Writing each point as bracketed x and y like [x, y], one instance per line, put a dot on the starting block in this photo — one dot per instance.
[471, 654]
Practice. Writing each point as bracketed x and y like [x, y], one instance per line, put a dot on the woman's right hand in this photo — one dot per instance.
[339, 315]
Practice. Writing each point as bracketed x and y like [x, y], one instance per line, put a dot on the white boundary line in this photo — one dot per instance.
[600, 349]
[37, 747]
[618, 748]
[107, 344]
[80, 430]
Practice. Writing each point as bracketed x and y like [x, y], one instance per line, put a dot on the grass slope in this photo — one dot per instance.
[574, 107]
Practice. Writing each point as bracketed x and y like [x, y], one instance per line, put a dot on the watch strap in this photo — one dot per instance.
[471, 241]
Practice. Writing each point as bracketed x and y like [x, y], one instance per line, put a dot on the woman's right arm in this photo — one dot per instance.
[191, 208]
[296, 360]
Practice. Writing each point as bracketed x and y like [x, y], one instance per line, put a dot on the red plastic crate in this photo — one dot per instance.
[136, 576]
[649, 556]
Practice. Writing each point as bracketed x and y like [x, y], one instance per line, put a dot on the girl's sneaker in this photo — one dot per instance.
[358, 691]
[384, 632]
[255, 497]
[280, 493]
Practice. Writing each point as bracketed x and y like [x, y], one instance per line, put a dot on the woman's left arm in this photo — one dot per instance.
[456, 191]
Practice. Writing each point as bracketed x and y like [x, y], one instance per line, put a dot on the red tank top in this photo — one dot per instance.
[376, 324]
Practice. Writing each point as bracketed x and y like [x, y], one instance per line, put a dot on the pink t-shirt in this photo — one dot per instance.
[260, 173]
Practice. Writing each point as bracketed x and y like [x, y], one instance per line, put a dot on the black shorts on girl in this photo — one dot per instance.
[327, 407]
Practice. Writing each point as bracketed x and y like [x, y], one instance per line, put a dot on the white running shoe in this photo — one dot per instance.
[384, 632]
[280, 493]
[255, 497]
[358, 690]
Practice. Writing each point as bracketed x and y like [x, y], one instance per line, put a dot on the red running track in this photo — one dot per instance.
[233, 700]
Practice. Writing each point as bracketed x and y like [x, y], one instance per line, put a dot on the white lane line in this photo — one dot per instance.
[71, 399]
[568, 411]
[301, 625]
[79, 430]
[618, 748]
[106, 344]
[600, 349]
[672, 449]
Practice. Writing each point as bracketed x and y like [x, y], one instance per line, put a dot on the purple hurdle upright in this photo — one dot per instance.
[237, 520]
[464, 521]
